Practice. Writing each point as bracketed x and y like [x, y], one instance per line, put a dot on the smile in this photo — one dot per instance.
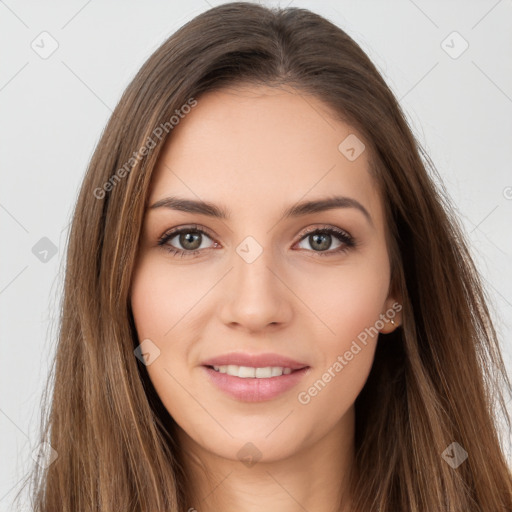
[250, 384]
[246, 372]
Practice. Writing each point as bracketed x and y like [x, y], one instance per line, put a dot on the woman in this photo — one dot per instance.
[268, 304]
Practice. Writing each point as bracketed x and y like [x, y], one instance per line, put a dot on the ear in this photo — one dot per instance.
[391, 315]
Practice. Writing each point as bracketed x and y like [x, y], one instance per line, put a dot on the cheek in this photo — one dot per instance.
[160, 302]
[349, 302]
[168, 306]
[162, 297]
[347, 299]
[350, 309]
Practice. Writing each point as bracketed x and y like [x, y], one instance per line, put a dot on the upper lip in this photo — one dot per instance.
[254, 361]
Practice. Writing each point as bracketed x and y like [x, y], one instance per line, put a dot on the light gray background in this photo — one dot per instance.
[54, 109]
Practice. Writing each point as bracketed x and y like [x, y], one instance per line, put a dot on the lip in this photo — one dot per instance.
[254, 389]
[254, 360]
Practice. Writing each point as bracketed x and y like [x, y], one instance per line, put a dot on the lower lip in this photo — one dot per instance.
[253, 389]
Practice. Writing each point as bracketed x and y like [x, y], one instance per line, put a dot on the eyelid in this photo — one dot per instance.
[324, 227]
[187, 227]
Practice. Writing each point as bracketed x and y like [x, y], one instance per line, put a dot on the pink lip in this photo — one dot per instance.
[254, 361]
[254, 389]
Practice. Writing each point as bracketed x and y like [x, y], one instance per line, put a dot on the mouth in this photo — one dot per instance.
[254, 384]
[250, 372]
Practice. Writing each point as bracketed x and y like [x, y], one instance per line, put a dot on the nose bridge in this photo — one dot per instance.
[253, 296]
[251, 272]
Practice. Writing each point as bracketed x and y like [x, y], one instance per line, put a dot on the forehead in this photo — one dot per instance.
[252, 145]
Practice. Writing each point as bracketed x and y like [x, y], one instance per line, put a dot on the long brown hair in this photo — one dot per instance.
[439, 379]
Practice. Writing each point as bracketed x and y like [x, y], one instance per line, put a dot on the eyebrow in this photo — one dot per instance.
[296, 210]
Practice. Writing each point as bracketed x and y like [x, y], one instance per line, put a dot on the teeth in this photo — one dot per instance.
[246, 372]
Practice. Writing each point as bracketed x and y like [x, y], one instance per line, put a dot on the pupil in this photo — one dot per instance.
[189, 241]
[325, 244]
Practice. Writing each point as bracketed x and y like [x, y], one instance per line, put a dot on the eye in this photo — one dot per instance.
[189, 239]
[321, 239]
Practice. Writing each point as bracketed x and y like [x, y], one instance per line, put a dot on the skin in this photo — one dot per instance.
[255, 151]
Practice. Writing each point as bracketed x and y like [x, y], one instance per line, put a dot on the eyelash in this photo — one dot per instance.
[348, 241]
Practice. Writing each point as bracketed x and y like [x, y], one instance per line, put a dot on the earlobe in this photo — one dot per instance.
[395, 323]
[389, 327]
[391, 318]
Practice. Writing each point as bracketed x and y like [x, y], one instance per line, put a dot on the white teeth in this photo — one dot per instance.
[276, 372]
[265, 373]
[246, 372]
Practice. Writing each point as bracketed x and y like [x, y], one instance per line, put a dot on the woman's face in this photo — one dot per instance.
[244, 280]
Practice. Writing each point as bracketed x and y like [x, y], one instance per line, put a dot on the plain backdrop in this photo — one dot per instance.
[63, 68]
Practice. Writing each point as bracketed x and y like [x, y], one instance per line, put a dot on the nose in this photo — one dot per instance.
[254, 296]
